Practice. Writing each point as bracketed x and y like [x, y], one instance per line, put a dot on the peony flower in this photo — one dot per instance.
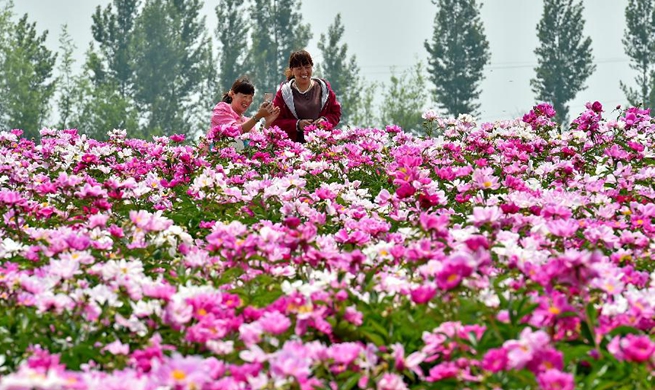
[274, 322]
[423, 293]
[291, 361]
[443, 371]
[391, 381]
[633, 348]
[554, 379]
[353, 316]
[495, 360]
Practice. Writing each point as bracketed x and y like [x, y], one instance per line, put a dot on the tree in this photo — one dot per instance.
[339, 70]
[276, 31]
[102, 109]
[106, 86]
[113, 31]
[27, 78]
[364, 114]
[171, 47]
[66, 86]
[5, 28]
[261, 62]
[230, 32]
[457, 55]
[564, 56]
[290, 33]
[405, 99]
[208, 92]
[639, 45]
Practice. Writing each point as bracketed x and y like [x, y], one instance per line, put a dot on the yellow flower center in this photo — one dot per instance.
[178, 375]
[305, 309]
[554, 310]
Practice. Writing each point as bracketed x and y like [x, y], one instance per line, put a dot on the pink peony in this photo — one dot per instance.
[555, 380]
[423, 293]
[632, 348]
[391, 382]
[274, 322]
[495, 360]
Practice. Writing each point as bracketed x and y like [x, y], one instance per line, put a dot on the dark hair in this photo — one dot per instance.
[297, 59]
[241, 85]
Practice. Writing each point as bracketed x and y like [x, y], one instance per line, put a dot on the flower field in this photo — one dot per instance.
[504, 255]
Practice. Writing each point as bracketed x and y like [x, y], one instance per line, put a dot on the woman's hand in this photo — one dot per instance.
[265, 109]
[304, 123]
[274, 112]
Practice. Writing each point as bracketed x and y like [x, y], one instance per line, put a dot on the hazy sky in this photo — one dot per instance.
[386, 34]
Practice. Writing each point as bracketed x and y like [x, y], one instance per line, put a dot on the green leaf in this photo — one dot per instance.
[575, 353]
[568, 314]
[622, 331]
[376, 325]
[374, 338]
[591, 312]
[351, 382]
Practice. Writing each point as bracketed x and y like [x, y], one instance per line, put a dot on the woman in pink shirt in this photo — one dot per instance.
[236, 102]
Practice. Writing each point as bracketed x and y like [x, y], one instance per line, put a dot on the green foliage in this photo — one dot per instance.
[276, 30]
[290, 33]
[27, 83]
[68, 93]
[106, 86]
[364, 113]
[457, 56]
[206, 92]
[342, 72]
[261, 63]
[405, 99]
[102, 109]
[5, 28]
[639, 44]
[564, 55]
[170, 48]
[152, 67]
[261, 291]
[113, 32]
[231, 30]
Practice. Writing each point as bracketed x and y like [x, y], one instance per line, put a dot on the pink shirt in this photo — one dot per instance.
[225, 115]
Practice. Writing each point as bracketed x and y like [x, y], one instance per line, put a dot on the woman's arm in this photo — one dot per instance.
[266, 110]
[250, 123]
[225, 116]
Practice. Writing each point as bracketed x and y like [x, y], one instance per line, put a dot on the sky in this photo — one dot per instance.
[388, 36]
